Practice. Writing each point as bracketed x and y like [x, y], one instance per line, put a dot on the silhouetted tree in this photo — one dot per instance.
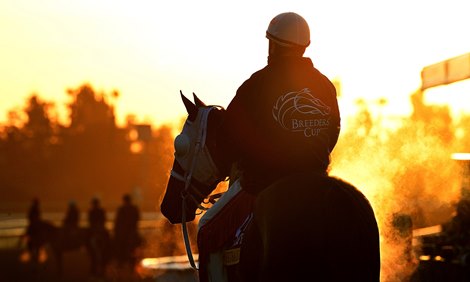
[89, 156]
[38, 127]
[89, 110]
[95, 151]
[26, 150]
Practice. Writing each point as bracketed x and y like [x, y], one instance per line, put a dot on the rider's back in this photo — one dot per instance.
[283, 119]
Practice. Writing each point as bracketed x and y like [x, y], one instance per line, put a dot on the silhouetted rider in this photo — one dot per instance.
[33, 231]
[96, 216]
[285, 117]
[126, 232]
[70, 223]
[34, 213]
[98, 238]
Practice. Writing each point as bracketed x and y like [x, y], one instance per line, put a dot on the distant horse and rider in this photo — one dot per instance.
[102, 248]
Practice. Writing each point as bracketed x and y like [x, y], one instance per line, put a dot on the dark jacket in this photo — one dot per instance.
[126, 222]
[283, 119]
[97, 218]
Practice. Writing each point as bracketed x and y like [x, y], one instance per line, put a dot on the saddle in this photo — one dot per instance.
[220, 233]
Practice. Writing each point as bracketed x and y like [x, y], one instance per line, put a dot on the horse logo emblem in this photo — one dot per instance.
[299, 111]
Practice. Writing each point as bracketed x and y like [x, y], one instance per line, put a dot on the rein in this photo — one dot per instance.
[186, 193]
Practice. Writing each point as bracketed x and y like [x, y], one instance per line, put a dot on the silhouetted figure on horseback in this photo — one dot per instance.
[34, 213]
[126, 234]
[60, 239]
[96, 217]
[70, 228]
[98, 237]
[33, 232]
[284, 217]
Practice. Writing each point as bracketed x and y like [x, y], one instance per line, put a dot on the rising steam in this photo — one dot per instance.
[406, 172]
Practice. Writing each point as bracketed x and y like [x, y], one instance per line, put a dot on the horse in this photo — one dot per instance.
[60, 241]
[302, 225]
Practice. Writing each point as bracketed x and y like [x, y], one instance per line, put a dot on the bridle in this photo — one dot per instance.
[192, 153]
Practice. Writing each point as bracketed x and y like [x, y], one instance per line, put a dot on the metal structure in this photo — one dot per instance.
[444, 255]
[446, 72]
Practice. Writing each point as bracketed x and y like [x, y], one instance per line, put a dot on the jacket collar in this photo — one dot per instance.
[287, 60]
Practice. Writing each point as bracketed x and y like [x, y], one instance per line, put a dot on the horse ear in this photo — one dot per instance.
[198, 101]
[190, 107]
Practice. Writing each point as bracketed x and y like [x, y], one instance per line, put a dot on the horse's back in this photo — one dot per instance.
[308, 225]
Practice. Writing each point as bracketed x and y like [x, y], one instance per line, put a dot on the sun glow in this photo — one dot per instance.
[149, 51]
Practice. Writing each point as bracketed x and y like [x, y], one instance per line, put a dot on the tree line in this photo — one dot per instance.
[90, 156]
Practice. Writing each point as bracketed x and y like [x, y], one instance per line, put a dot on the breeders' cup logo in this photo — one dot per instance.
[302, 112]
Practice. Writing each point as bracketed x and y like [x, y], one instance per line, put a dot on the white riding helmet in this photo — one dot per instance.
[289, 29]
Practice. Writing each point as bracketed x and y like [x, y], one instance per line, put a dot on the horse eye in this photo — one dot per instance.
[181, 145]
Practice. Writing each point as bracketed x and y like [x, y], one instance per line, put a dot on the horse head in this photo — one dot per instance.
[197, 167]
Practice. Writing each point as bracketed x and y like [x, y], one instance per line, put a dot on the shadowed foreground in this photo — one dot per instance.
[76, 269]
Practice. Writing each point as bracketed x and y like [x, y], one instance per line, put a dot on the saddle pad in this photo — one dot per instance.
[234, 189]
[219, 226]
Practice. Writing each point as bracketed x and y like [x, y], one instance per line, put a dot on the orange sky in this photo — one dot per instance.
[149, 50]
